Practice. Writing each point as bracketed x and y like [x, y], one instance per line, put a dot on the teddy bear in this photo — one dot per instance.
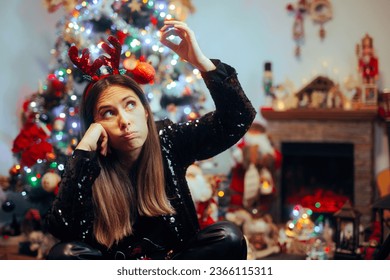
[260, 232]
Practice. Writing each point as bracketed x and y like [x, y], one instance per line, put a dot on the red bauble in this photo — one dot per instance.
[154, 20]
[143, 73]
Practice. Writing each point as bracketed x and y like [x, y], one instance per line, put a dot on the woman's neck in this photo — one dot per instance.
[128, 160]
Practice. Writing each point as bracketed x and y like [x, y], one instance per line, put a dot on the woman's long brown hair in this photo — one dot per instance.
[116, 201]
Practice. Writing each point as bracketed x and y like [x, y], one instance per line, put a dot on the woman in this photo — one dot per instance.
[123, 194]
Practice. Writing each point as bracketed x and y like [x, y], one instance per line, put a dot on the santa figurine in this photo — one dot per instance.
[59, 124]
[50, 182]
[256, 160]
[368, 62]
[202, 195]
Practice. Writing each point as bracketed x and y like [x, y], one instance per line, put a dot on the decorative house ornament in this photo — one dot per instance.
[314, 94]
[320, 12]
[347, 232]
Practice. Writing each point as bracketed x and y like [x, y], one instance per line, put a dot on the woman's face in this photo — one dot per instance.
[124, 118]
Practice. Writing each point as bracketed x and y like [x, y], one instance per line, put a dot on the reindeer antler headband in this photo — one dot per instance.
[143, 73]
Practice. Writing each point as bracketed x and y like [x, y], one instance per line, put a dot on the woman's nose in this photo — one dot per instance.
[123, 121]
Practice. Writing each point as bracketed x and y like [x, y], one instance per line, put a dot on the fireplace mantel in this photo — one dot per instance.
[320, 114]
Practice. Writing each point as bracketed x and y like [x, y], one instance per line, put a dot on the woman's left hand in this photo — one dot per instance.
[188, 48]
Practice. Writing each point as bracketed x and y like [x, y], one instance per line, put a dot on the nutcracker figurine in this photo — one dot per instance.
[369, 71]
[368, 62]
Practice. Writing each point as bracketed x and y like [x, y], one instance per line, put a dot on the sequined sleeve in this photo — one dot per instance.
[216, 131]
[71, 215]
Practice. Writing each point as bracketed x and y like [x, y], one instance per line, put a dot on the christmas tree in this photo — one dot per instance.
[50, 122]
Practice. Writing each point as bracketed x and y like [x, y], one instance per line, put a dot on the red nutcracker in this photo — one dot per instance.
[368, 62]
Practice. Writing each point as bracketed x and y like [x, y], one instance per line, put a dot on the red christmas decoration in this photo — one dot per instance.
[31, 143]
[154, 20]
[143, 73]
[35, 152]
[29, 135]
[121, 36]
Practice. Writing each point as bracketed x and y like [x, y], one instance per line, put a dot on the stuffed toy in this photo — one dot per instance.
[203, 196]
[261, 233]
[252, 183]
[41, 243]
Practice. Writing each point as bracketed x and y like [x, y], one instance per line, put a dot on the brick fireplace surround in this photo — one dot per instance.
[331, 126]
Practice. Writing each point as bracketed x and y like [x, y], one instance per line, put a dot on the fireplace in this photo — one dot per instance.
[325, 133]
[316, 175]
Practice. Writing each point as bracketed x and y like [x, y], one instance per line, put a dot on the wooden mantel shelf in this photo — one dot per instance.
[320, 114]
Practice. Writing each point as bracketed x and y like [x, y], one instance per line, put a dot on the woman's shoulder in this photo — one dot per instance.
[162, 124]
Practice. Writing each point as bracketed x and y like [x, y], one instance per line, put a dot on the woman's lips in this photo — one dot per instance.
[130, 135]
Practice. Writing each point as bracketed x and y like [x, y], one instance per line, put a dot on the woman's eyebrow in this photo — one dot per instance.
[104, 106]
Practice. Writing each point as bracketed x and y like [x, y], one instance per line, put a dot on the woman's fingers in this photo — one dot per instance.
[104, 143]
[172, 23]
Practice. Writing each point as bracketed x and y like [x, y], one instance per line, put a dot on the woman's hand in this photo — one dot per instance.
[188, 48]
[95, 138]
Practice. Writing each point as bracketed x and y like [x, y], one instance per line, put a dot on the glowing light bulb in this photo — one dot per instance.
[187, 110]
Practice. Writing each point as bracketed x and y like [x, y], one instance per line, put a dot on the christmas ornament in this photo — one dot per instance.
[50, 181]
[44, 118]
[320, 12]
[135, 6]
[143, 73]
[8, 206]
[59, 124]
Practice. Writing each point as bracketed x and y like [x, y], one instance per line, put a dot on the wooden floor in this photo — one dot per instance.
[9, 249]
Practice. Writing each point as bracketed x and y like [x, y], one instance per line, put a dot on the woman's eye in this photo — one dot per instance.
[107, 114]
[130, 105]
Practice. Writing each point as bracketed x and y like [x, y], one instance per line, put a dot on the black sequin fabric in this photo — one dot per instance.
[71, 215]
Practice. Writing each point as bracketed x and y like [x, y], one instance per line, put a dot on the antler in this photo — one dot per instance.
[83, 62]
[114, 53]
